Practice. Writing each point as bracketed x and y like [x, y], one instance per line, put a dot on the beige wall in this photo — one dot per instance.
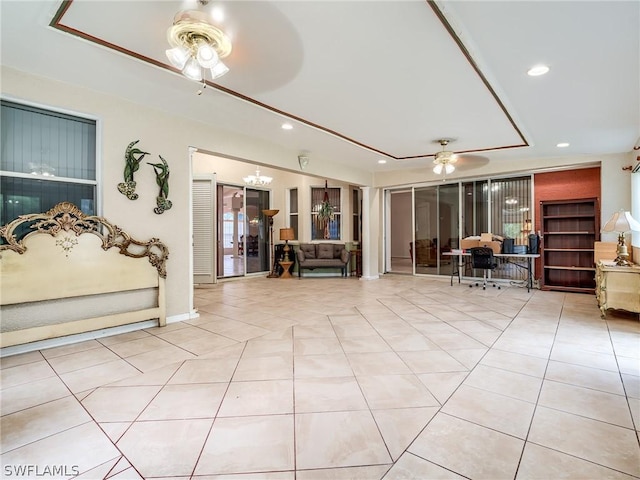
[121, 122]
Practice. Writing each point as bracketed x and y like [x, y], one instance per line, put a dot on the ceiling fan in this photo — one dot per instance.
[446, 161]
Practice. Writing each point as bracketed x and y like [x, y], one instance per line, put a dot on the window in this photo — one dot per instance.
[355, 199]
[504, 203]
[47, 157]
[293, 211]
[330, 230]
[511, 208]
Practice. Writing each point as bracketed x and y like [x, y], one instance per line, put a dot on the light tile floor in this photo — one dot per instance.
[332, 378]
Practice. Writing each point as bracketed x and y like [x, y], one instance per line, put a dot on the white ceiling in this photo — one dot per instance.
[365, 80]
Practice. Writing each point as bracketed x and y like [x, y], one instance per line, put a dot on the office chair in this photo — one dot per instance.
[482, 258]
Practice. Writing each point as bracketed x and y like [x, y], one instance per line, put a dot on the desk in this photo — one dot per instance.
[514, 256]
[617, 287]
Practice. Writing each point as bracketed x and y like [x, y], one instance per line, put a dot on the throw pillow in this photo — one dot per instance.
[309, 250]
[325, 251]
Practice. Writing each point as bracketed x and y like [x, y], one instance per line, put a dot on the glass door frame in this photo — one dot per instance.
[460, 183]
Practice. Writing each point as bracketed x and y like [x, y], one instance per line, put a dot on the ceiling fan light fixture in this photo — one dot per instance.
[197, 44]
[444, 160]
[445, 157]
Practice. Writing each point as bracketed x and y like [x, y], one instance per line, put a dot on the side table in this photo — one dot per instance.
[285, 269]
[357, 255]
[617, 287]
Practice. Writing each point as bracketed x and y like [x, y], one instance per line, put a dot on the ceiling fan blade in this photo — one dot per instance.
[469, 161]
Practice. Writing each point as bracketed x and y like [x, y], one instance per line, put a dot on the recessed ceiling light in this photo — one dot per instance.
[562, 145]
[382, 160]
[287, 126]
[537, 70]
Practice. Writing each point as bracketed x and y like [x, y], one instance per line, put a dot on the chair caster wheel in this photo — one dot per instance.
[470, 286]
[484, 288]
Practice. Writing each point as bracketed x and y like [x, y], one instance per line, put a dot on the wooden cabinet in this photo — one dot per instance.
[570, 229]
[617, 287]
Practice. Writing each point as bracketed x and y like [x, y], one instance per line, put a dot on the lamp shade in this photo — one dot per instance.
[270, 213]
[621, 222]
[286, 234]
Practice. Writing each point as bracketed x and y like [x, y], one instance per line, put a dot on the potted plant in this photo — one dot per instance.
[325, 213]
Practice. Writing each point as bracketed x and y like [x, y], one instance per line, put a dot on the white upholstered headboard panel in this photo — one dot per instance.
[73, 273]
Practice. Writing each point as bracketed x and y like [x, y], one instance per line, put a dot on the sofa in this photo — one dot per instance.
[323, 255]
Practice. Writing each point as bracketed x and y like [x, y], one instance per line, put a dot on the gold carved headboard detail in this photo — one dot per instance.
[67, 217]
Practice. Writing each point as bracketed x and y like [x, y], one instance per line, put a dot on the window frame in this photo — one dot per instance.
[291, 214]
[338, 216]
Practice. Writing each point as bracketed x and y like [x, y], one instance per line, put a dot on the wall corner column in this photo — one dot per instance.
[370, 234]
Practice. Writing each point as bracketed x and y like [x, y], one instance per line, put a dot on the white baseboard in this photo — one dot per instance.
[82, 337]
[79, 337]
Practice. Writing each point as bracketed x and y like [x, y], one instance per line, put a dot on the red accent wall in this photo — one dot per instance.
[564, 185]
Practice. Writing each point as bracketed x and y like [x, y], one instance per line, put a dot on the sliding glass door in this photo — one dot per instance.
[243, 231]
[257, 227]
[435, 228]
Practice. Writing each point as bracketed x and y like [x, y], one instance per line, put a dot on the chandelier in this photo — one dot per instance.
[257, 180]
[197, 45]
[444, 160]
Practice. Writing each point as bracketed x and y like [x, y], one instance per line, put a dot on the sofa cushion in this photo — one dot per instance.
[325, 251]
[309, 250]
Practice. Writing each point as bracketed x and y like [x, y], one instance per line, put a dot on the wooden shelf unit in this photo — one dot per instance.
[569, 228]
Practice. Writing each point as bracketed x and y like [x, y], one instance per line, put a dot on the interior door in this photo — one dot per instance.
[204, 231]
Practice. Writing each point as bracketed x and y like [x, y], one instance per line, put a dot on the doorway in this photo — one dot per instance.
[230, 232]
[242, 243]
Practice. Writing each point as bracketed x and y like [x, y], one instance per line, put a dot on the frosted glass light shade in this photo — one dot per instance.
[206, 55]
[218, 70]
[193, 70]
[178, 56]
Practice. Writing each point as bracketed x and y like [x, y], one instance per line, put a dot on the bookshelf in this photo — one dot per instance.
[570, 229]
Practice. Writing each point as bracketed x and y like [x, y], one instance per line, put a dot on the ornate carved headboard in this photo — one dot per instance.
[64, 272]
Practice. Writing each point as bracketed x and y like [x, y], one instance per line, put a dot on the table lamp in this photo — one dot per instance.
[270, 214]
[286, 234]
[621, 222]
